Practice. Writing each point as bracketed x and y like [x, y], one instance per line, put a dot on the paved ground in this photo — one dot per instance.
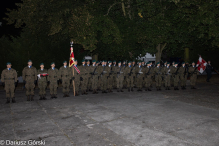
[125, 119]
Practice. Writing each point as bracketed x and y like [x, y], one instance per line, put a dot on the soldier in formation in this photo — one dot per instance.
[105, 77]
[8, 79]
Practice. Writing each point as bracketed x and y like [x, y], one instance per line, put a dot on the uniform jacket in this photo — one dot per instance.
[9, 75]
[53, 75]
[29, 73]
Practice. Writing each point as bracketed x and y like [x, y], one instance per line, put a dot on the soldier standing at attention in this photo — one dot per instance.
[65, 74]
[158, 76]
[128, 76]
[193, 75]
[124, 81]
[148, 73]
[76, 78]
[98, 75]
[110, 76]
[167, 74]
[114, 74]
[120, 77]
[8, 78]
[139, 73]
[94, 76]
[172, 76]
[84, 77]
[29, 75]
[103, 77]
[174, 71]
[183, 75]
[134, 75]
[152, 73]
[89, 82]
[53, 77]
[42, 81]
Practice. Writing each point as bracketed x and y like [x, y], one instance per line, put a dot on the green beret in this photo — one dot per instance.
[87, 60]
[158, 62]
[83, 60]
[173, 62]
[114, 61]
[147, 63]
[133, 61]
[93, 60]
[8, 63]
[119, 62]
[165, 61]
[109, 61]
[64, 61]
[129, 62]
[124, 61]
[76, 60]
[183, 62]
[139, 61]
[52, 63]
[29, 60]
[193, 62]
[97, 62]
[176, 63]
[187, 62]
[142, 61]
[41, 63]
[168, 63]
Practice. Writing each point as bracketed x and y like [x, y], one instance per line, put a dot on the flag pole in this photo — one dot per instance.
[73, 71]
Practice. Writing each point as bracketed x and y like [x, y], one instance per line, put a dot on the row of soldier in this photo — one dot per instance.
[95, 77]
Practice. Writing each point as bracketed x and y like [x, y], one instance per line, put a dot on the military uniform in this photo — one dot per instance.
[94, 70]
[139, 75]
[193, 76]
[29, 75]
[128, 76]
[103, 77]
[114, 74]
[158, 76]
[120, 77]
[166, 73]
[175, 74]
[42, 83]
[53, 77]
[110, 77]
[84, 77]
[125, 80]
[172, 76]
[148, 76]
[9, 77]
[183, 75]
[89, 76]
[65, 74]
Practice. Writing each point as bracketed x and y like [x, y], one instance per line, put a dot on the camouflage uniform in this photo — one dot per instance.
[29, 75]
[9, 77]
[42, 83]
[158, 77]
[139, 74]
[53, 77]
[109, 78]
[148, 77]
[167, 75]
[175, 75]
[172, 76]
[128, 77]
[103, 78]
[76, 80]
[84, 76]
[114, 75]
[183, 76]
[120, 78]
[193, 76]
[89, 77]
[65, 74]
[94, 70]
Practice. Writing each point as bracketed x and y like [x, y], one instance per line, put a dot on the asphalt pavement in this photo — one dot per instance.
[114, 119]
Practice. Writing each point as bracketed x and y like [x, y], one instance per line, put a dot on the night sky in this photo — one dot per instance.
[6, 29]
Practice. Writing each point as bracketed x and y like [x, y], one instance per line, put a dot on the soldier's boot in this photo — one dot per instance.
[67, 95]
[132, 89]
[55, 96]
[13, 100]
[8, 100]
[31, 98]
[118, 90]
[28, 97]
[41, 97]
[76, 93]
[121, 90]
[128, 89]
[177, 88]
[94, 91]
[44, 97]
[52, 96]
[149, 89]
[85, 92]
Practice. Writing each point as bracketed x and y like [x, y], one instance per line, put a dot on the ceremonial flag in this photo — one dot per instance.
[202, 64]
[72, 57]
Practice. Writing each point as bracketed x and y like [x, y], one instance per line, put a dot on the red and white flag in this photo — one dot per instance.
[202, 64]
[72, 57]
[77, 69]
